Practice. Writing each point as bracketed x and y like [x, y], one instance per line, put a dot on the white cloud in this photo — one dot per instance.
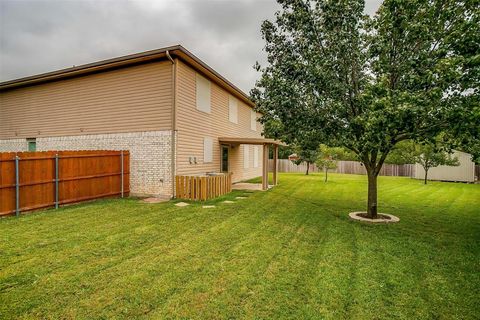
[41, 36]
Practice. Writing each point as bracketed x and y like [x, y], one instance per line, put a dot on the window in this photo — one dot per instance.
[32, 144]
[207, 150]
[246, 156]
[203, 94]
[253, 120]
[232, 109]
[255, 157]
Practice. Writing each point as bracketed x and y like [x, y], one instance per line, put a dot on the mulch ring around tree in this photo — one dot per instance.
[381, 217]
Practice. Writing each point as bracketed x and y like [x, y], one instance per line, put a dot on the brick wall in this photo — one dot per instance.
[13, 145]
[150, 155]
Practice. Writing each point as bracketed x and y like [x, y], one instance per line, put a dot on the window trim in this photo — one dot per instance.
[255, 156]
[246, 156]
[253, 120]
[198, 79]
[31, 141]
[232, 109]
[207, 154]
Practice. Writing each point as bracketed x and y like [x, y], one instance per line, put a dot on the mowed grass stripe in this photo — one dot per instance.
[291, 252]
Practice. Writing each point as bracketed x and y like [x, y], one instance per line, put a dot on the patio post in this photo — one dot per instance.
[265, 167]
[275, 164]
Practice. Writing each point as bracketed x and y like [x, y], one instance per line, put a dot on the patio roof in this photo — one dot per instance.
[257, 141]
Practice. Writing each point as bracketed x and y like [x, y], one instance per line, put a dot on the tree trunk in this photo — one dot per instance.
[425, 179]
[372, 195]
[326, 174]
[308, 167]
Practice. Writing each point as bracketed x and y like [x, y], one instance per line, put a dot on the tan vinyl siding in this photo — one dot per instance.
[193, 126]
[137, 98]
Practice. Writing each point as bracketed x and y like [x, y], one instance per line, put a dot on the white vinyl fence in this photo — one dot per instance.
[349, 167]
[464, 172]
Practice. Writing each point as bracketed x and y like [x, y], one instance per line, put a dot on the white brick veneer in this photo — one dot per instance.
[13, 145]
[150, 155]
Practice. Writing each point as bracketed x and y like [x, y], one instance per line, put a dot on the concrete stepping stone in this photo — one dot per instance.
[182, 204]
[240, 197]
[228, 201]
[206, 207]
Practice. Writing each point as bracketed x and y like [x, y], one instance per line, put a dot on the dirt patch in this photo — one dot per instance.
[381, 217]
[155, 200]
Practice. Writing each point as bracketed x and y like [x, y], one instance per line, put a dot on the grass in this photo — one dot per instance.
[287, 253]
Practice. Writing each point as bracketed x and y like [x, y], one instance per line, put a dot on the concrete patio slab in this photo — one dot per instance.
[249, 186]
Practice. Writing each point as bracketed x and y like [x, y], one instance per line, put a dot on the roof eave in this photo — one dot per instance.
[254, 141]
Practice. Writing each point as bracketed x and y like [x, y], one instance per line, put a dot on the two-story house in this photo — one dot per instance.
[175, 114]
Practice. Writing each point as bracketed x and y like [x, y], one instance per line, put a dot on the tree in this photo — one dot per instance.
[404, 152]
[307, 151]
[366, 84]
[430, 157]
[329, 157]
[427, 155]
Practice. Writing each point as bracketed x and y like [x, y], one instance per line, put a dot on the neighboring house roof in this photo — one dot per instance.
[293, 157]
[176, 51]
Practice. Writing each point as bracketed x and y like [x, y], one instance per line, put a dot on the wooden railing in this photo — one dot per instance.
[202, 187]
[34, 180]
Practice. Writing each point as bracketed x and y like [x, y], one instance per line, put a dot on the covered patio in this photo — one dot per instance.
[266, 143]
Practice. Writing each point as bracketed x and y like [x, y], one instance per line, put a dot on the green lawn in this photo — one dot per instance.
[291, 252]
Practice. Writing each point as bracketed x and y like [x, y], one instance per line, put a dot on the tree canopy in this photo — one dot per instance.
[367, 83]
[329, 156]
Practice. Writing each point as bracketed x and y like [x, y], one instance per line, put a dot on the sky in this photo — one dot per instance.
[41, 36]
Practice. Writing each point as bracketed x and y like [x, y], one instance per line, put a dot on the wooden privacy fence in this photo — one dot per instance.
[34, 180]
[202, 187]
[395, 170]
[285, 165]
[349, 167]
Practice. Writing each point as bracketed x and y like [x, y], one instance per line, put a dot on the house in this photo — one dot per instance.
[175, 114]
[293, 157]
[464, 172]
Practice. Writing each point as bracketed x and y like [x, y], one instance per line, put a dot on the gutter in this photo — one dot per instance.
[174, 119]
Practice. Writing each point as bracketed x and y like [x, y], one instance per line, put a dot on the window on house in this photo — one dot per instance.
[32, 144]
[207, 150]
[255, 156]
[203, 88]
[246, 156]
[253, 120]
[232, 109]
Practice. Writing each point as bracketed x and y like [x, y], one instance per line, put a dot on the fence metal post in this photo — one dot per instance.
[56, 181]
[17, 188]
[121, 168]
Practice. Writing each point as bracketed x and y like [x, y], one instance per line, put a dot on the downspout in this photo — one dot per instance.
[174, 120]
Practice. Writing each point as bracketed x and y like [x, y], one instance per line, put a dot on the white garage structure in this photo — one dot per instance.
[465, 172]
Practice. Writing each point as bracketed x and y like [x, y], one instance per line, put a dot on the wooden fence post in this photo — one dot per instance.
[121, 169]
[17, 186]
[56, 181]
